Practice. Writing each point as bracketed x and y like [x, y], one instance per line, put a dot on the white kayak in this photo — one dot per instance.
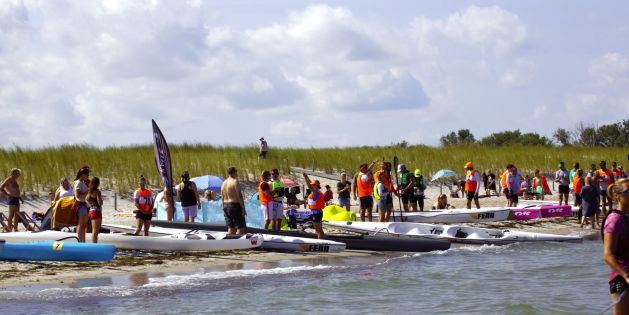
[458, 215]
[271, 242]
[457, 234]
[176, 242]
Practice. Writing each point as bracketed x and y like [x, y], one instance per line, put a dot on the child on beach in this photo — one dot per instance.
[95, 202]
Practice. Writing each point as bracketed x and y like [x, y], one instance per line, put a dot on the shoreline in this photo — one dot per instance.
[20, 275]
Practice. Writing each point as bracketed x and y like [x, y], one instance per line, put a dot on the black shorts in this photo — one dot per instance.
[604, 193]
[408, 197]
[233, 215]
[262, 154]
[389, 200]
[366, 202]
[317, 216]
[618, 285]
[472, 195]
[14, 201]
[563, 189]
[143, 215]
[578, 198]
[514, 198]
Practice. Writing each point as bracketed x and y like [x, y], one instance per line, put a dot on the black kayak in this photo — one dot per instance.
[357, 242]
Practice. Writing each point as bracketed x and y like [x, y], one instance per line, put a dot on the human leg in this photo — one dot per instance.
[13, 217]
[96, 229]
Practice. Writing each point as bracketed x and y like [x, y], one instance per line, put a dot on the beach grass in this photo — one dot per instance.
[119, 167]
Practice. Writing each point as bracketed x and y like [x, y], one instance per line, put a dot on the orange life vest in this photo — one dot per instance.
[364, 189]
[470, 181]
[608, 176]
[264, 199]
[386, 179]
[145, 199]
[503, 179]
[577, 183]
[317, 204]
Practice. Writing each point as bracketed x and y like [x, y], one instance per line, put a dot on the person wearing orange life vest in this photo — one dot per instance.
[363, 188]
[472, 185]
[385, 170]
[265, 195]
[143, 197]
[316, 203]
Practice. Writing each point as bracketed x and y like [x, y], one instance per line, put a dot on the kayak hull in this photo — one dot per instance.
[56, 251]
[459, 216]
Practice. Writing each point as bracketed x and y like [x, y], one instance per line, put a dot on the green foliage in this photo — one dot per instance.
[463, 136]
[510, 138]
[119, 167]
[562, 136]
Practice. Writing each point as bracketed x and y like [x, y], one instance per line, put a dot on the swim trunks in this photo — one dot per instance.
[564, 189]
[14, 201]
[618, 285]
[143, 215]
[366, 202]
[471, 195]
[233, 215]
[317, 215]
[190, 211]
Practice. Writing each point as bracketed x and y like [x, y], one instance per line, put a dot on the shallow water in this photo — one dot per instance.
[543, 278]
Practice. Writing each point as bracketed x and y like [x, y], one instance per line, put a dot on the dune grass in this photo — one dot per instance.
[119, 167]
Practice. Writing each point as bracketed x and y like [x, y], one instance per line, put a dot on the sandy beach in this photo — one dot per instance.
[36, 273]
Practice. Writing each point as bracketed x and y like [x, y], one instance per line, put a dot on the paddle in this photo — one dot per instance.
[397, 185]
[613, 303]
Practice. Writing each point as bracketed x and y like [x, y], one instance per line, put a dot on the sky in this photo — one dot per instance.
[306, 74]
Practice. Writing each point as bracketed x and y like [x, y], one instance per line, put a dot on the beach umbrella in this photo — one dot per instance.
[288, 181]
[210, 182]
[443, 174]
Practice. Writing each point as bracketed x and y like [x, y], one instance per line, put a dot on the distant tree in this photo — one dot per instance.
[533, 139]
[562, 136]
[607, 135]
[502, 138]
[462, 136]
[588, 137]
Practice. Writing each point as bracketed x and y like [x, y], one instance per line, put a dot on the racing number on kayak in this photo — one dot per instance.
[57, 245]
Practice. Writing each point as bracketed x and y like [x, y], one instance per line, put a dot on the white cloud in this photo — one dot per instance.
[490, 28]
[519, 75]
[610, 68]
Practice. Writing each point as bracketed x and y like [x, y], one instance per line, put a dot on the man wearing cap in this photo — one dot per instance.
[233, 204]
[188, 194]
[419, 186]
[472, 185]
[606, 179]
[264, 148]
[405, 188]
[11, 189]
[316, 203]
[363, 189]
[562, 177]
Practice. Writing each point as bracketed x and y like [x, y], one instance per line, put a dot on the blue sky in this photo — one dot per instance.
[300, 73]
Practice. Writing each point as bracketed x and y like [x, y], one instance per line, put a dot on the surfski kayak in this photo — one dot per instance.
[271, 242]
[457, 234]
[176, 243]
[354, 242]
[56, 251]
[459, 215]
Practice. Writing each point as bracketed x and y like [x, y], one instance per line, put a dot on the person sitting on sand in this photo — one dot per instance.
[442, 203]
[328, 195]
[615, 235]
[291, 197]
[144, 202]
[11, 188]
[64, 190]
[95, 202]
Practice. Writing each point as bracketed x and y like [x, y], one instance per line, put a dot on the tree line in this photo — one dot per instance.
[612, 135]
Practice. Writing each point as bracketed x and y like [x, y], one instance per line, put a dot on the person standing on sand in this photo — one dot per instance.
[491, 183]
[95, 202]
[385, 169]
[11, 189]
[233, 204]
[405, 188]
[562, 177]
[188, 194]
[381, 192]
[277, 192]
[363, 188]
[316, 203]
[472, 185]
[615, 235]
[577, 186]
[419, 186]
[512, 179]
[343, 188]
[169, 198]
[80, 204]
[589, 197]
[64, 190]
[144, 201]
[573, 172]
[265, 195]
[606, 180]
[264, 148]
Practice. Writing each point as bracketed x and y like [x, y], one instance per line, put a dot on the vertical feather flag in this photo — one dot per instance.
[162, 156]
